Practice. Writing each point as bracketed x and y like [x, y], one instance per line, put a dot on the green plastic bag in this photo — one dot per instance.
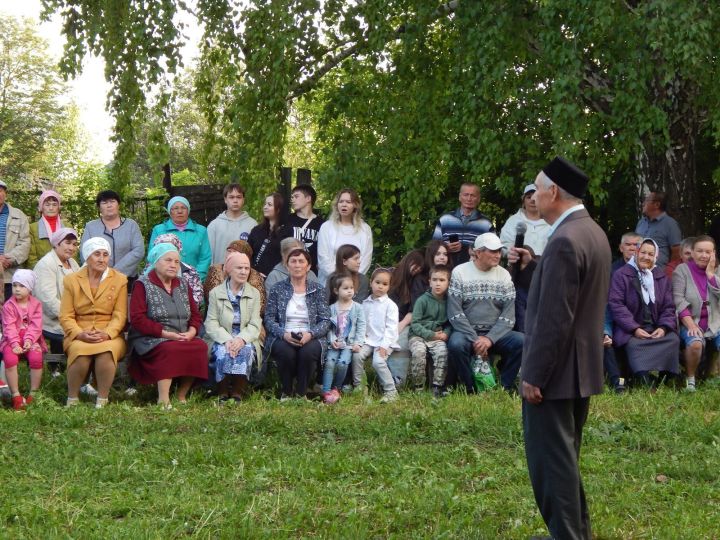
[483, 374]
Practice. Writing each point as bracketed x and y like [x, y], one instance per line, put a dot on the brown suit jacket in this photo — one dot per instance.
[563, 350]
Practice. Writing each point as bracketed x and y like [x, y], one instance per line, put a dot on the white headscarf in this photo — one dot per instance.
[93, 244]
[647, 281]
[26, 278]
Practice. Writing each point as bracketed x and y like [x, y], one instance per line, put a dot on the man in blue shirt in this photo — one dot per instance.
[656, 224]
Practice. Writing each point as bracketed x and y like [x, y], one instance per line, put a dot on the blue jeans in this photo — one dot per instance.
[339, 358]
[510, 346]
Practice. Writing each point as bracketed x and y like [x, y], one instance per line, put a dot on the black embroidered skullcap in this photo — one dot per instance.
[567, 176]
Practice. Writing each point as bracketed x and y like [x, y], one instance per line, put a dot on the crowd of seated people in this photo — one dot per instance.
[238, 301]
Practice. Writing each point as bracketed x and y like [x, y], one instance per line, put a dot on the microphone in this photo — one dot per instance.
[520, 230]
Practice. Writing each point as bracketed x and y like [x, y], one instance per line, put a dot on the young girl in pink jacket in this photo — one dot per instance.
[22, 335]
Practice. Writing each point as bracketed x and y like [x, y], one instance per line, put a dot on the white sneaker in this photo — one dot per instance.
[130, 391]
[690, 386]
[88, 390]
[100, 402]
[72, 401]
[389, 397]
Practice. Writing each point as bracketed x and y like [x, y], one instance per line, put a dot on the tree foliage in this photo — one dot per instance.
[30, 85]
[407, 98]
[174, 135]
[139, 41]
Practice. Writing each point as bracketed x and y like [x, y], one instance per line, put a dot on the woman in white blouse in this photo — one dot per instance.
[345, 226]
[297, 317]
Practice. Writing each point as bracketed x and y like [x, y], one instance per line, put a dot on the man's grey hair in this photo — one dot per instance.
[564, 195]
[630, 234]
[687, 242]
[287, 245]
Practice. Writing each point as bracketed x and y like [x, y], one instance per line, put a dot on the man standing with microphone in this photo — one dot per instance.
[562, 355]
[536, 228]
[524, 230]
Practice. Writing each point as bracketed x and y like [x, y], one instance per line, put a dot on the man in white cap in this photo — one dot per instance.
[536, 228]
[481, 309]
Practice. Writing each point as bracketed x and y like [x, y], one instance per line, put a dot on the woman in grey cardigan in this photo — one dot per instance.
[696, 292]
[123, 234]
[297, 317]
[233, 323]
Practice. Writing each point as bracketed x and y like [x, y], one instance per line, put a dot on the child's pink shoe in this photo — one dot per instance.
[330, 397]
[18, 403]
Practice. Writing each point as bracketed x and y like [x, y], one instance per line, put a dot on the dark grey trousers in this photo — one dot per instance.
[553, 434]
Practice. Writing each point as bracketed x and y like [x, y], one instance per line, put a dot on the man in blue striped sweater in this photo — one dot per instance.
[460, 227]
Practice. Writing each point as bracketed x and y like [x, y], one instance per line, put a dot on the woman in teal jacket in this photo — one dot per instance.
[195, 242]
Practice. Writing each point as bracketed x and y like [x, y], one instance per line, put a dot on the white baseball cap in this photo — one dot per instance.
[529, 188]
[488, 241]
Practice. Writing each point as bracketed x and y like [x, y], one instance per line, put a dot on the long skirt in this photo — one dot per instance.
[170, 359]
[662, 354]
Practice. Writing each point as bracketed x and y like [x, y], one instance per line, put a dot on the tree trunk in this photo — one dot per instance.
[673, 170]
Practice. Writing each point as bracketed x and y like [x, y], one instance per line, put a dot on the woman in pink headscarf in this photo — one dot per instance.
[233, 324]
[43, 228]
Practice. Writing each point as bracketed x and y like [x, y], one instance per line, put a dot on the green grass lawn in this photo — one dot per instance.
[417, 468]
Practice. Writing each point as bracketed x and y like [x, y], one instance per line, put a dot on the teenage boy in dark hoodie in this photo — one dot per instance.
[304, 224]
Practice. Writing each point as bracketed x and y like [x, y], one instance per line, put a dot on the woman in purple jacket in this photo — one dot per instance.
[643, 312]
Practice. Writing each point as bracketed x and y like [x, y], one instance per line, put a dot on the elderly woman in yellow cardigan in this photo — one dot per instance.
[93, 315]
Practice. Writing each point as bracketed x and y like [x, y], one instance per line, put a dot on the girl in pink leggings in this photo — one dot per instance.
[22, 335]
